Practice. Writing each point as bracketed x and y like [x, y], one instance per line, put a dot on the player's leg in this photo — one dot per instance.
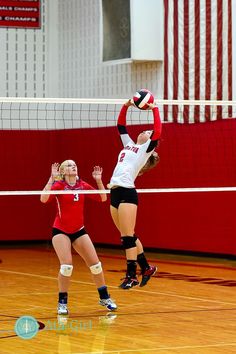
[115, 216]
[127, 213]
[85, 248]
[147, 270]
[62, 247]
[123, 210]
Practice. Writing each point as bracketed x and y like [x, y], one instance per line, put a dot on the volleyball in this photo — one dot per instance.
[142, 97]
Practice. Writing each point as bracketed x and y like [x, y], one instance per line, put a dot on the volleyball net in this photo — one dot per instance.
[36, 130]
[53, 113]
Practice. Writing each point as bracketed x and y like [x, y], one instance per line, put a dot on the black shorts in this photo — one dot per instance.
[123, 195]
[73, 236]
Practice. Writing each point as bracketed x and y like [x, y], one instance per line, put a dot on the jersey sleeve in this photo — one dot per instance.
[126, 139]
[157, 128]
[56, 186]
[121, 125]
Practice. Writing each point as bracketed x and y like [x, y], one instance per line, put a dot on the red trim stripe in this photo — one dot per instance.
[186, 59]
[197, 59]
[219, 55]
[208, 59]
[176, 58]
[166, 57]
[230, 84]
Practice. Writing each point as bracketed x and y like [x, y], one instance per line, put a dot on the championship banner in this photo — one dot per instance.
[20, 13]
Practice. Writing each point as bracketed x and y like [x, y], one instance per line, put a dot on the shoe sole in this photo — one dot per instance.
[128, 288]
[111, 309]
[108, 307]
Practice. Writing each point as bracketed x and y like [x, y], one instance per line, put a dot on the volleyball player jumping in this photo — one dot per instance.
[133, 160]
[68, 229]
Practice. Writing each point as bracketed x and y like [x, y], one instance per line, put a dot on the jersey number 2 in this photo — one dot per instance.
[122, 157]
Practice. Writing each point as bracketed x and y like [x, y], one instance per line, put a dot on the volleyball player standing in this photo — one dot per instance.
[68, 229]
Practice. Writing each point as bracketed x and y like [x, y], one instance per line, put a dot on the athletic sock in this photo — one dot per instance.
[63, 297]
[131, 268]
[142, 261]
[103, 293]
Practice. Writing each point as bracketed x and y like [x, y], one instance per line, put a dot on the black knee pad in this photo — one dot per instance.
[128, 242]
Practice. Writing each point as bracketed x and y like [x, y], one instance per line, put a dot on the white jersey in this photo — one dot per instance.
[130, 161]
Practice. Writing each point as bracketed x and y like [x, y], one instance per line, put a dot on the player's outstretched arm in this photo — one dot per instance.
[54, 174]
[121, 122]
[97, 175]
[157, 127]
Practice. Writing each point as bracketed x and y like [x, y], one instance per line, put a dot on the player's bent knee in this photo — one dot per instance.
[128, 242]
[96, 268]
[66, 270]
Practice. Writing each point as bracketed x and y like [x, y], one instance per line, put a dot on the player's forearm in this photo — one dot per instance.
[121, 123]
[157, 126]
[100, 186]
[44, 197]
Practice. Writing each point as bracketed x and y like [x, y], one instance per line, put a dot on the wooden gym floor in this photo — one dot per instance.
[188, 308]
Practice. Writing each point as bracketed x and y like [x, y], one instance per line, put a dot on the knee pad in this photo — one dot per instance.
[128, 242]
[96, 268]
[66, 270]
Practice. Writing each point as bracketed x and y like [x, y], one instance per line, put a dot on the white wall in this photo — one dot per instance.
[63, 58]
[81, 71]
[23, 60]
[52, 49]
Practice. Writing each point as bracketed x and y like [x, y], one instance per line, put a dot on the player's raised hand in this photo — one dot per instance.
[97, 173]
[55, 174]
[151, 105]
[129, 103]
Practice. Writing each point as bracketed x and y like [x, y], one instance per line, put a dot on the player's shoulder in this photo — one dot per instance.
[144, 145]
[58, 184]
[80, 183]
[83, 185]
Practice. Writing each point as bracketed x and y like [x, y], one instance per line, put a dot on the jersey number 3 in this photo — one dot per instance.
[76, 197]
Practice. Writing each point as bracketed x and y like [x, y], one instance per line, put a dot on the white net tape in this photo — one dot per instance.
[107, 191]
[112, 101]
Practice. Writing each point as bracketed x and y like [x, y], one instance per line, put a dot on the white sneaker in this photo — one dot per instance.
[108, 303]
[62, 309]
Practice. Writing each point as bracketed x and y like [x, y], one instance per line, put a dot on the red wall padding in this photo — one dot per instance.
[197, 155]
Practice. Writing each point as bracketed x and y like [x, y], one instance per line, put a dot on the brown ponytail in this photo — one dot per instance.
[153, 160]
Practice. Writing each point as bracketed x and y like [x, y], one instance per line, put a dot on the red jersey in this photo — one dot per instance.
[70, 207]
